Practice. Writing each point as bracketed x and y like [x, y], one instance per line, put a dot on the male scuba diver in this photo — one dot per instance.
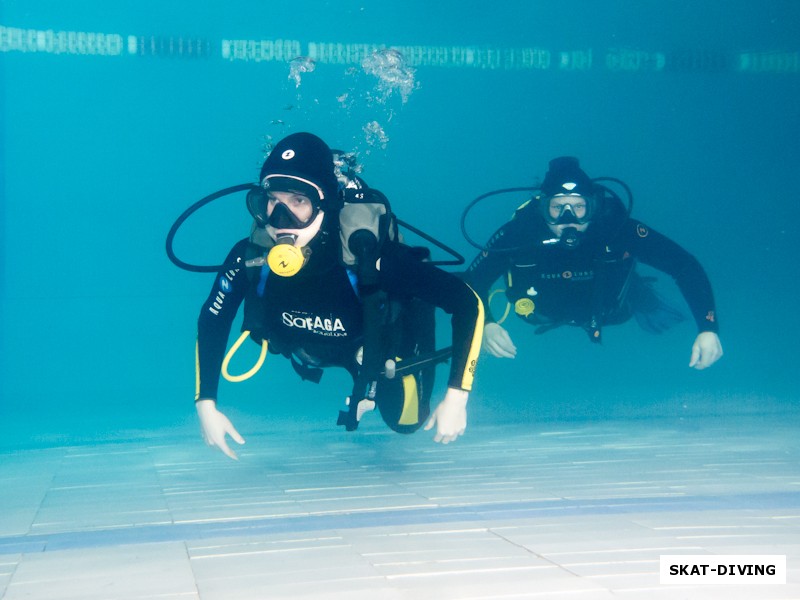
[569, 258]
[364, 303]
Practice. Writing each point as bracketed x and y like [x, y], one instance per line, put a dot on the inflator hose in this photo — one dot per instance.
[189, 212]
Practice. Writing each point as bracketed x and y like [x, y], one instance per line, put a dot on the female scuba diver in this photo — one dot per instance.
[326, 287]
[569, 257]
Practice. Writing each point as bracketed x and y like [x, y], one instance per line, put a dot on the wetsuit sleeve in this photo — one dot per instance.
[215, 321]
[403, 274]
[492, 263]
[658, 251]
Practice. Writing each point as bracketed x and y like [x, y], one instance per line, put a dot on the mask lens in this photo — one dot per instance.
[257, 205]
[567, 209]
[290, 211]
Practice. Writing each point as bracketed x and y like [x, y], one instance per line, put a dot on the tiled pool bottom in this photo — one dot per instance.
[567, 510]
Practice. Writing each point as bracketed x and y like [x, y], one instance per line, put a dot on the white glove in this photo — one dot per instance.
[215, 425]
[706, 350]
[497, 342]
[450, 417]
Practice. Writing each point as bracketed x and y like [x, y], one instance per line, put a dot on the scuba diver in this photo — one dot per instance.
[324, 290]
[569, 258]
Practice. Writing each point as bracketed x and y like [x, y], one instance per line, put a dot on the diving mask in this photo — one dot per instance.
[292, 206]
[563, 209]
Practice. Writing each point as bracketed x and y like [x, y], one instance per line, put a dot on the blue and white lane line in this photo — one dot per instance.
[490, 511]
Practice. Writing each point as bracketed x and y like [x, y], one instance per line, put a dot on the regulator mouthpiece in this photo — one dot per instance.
[285, 259]
[570, 237]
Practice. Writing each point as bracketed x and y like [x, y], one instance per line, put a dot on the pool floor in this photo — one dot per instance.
[566, 510]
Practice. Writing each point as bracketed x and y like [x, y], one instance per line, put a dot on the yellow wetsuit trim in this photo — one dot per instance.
[410, 414]
[523, 205]
[196, 371]
[232, 351]
[474, 348]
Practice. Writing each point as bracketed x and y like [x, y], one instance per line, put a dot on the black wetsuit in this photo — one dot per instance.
[315, 318]
[593, 284]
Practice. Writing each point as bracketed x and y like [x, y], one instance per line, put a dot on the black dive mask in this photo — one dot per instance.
[281, 218]
[576, 211]
[567, 216]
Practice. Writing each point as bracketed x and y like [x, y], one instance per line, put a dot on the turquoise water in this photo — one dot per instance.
[101, 153]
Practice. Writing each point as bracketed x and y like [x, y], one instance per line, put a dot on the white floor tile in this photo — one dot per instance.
[117, 573]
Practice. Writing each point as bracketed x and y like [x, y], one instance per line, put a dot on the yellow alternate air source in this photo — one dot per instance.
[507, 309]
[232, 351]
[524, 307]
